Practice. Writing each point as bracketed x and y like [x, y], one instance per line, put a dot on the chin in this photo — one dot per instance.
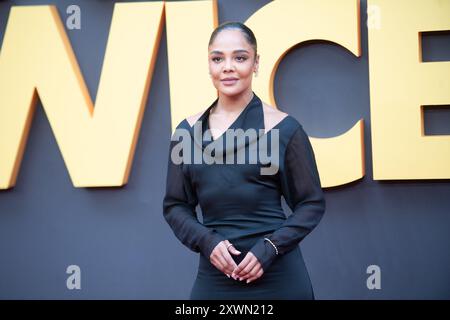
[231, 91]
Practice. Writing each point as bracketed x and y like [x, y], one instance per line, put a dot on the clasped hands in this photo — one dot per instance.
[249, 268]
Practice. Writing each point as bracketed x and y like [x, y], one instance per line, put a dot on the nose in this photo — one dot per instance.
[229, 66]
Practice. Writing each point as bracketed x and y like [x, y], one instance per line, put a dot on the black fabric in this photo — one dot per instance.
[240, 204]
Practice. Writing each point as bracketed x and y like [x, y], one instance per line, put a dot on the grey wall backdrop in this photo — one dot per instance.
[120, 240]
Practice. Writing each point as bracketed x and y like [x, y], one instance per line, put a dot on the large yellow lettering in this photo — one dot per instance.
[189, 25]
[284, 23]
[98, 145]
[37, 60]
[400, 83]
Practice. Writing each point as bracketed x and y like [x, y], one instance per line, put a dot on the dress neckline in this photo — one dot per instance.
[252, 116]
[233, 124]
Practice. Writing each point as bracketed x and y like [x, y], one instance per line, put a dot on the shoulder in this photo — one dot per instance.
[290, 130]
[192, 119]
[188, 122]
[273, 117]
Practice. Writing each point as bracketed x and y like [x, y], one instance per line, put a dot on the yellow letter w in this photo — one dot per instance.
[36, 59]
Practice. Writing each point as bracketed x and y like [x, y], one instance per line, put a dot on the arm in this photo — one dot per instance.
[179, 205]
[301, 188]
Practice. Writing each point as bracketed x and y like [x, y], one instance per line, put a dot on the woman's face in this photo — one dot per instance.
[231, 56]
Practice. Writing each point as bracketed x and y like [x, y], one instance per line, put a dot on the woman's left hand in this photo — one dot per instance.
[249, 269]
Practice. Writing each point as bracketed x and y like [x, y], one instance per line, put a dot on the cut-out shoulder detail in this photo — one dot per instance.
[192, 119]
[272, 116]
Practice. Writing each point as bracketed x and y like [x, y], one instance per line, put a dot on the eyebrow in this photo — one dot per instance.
[235, 51]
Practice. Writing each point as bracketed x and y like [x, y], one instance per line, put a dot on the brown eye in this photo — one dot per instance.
[241, 58]
[215, 59]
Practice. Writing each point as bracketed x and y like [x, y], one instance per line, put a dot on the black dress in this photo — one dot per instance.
[242, 205]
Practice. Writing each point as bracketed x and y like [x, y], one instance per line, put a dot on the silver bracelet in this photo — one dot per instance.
[276, 250]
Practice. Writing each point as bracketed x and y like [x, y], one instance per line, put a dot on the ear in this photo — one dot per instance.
[256, 62]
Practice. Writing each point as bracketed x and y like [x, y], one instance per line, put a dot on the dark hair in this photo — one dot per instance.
[248, 33]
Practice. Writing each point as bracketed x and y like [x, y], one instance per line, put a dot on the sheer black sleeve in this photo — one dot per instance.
[179, 211]
[301, 188]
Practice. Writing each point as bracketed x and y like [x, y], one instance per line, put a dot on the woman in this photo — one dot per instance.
[248, 248]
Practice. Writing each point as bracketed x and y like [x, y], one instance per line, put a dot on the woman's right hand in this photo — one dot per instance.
[220, 257]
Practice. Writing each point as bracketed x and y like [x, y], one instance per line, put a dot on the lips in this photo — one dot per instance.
[229, 81]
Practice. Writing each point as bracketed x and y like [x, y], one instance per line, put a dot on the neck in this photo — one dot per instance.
[233, 104]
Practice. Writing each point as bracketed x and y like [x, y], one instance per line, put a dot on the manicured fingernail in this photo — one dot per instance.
[248, 281]
[228, 275]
